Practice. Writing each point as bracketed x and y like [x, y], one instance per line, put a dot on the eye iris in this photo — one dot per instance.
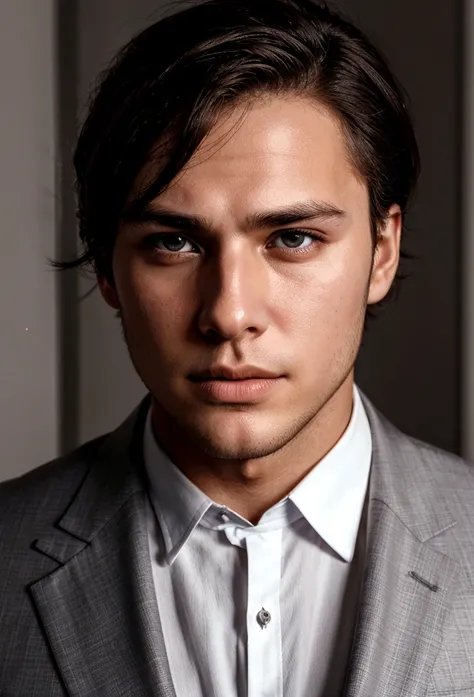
[295, 238]
[172, 245]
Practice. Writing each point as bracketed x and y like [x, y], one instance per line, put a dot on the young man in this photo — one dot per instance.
[255, 528]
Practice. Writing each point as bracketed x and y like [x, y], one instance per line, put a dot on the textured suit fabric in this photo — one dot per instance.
[78, 612]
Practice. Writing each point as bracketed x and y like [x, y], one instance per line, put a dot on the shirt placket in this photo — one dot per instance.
[264, 647]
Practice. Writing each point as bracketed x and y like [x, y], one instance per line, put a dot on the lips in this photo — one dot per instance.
[241, 391]
[230, 374]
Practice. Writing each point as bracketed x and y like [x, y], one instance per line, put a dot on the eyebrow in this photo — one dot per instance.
[306, 210]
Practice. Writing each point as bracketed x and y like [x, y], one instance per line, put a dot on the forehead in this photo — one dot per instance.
[267, 154]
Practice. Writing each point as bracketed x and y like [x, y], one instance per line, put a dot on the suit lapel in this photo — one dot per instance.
[99, 608]
[399, 630]
[408, 584]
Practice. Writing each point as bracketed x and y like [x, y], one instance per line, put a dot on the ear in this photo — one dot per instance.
[386, 257]
[108, 292]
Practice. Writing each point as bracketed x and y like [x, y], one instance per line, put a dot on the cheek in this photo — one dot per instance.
[150, 304]
[160, 313]
[332, 292]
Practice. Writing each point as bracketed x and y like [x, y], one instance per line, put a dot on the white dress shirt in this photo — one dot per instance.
[264, 610]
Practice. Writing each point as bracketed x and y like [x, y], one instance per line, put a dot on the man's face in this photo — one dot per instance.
[224, 287]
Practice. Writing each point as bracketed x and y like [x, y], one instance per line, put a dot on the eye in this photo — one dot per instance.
[297, 239]
[169, 242]
[173, 244]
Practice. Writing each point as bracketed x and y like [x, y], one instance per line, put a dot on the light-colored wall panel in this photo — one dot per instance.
[28, 331]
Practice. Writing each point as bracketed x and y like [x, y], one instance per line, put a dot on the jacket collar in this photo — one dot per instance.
[403, 478]
[116, 473]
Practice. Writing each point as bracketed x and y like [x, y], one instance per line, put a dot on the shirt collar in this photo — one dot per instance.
[330, 497]
[179, 504]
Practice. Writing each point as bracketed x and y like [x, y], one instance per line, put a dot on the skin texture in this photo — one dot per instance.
[233, 292]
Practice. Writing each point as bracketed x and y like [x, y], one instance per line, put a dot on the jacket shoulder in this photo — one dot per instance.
[436, 475]
[420, 462]
[448, 469]
[442, 459]
[39, 497]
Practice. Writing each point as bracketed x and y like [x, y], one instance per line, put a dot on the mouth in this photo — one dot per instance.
[234, 374]
[223, 379]
[246, 390]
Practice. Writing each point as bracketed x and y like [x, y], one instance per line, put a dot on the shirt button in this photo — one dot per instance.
[224, 517]
[264, 618]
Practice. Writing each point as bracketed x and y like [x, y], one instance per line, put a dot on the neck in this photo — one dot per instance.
[251, 487]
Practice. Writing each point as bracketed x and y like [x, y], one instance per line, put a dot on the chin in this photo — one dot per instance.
[233, 451]
[235, 438]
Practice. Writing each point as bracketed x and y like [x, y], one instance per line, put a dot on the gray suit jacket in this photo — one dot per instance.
[78, 611]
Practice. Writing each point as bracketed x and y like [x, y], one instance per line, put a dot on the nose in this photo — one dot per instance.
[235, 291]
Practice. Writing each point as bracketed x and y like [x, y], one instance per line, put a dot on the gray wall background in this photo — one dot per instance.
[28, 319]
[410, 364]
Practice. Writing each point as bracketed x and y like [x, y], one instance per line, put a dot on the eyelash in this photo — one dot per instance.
[150, 242]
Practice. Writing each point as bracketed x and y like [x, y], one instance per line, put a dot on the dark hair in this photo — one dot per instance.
[169, 85]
